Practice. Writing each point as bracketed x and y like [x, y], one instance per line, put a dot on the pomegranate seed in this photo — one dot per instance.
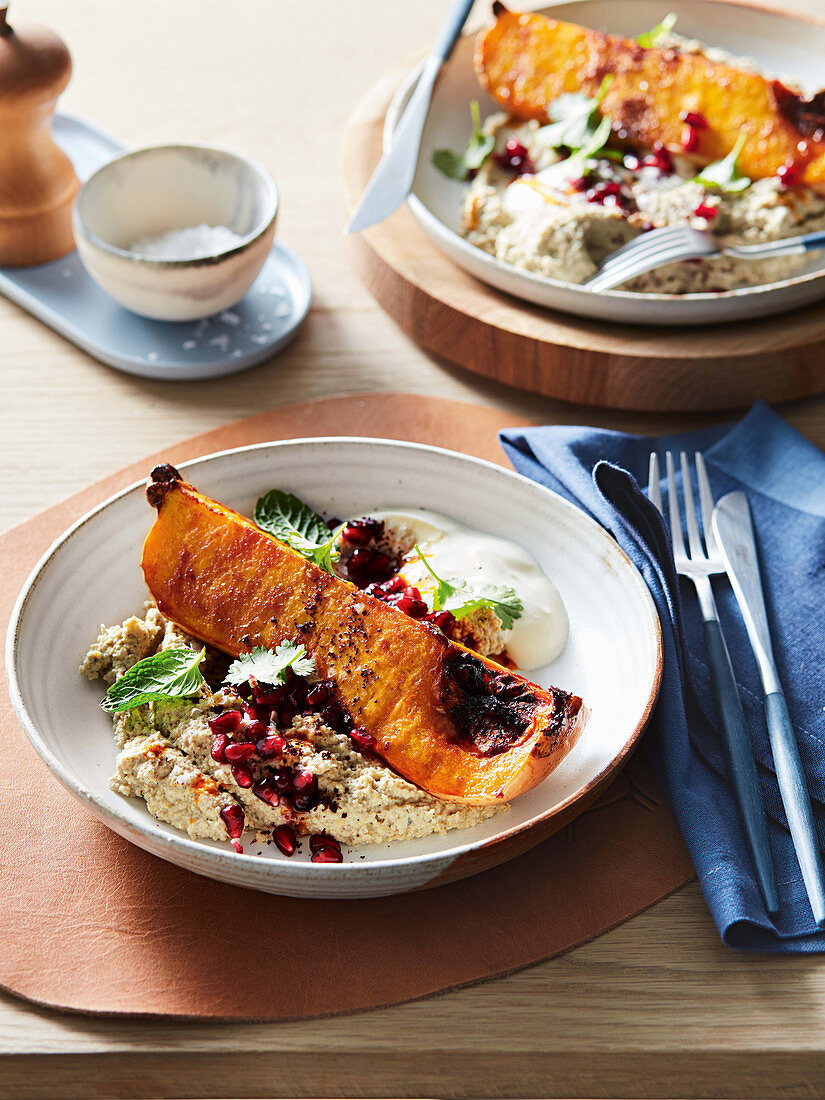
[361, 739]
[694, 119]
[270, 746]
[328, 854]
[238, 751]
[282, 778]
[444, 620]
[320, 693]
[265, 790]
[285, 840]
[234, 820]
[361, 532]
[253, 731]
[303, 803]
[690, 139]
[366, 565]
[271, 698]
[304, 781]
[607, 193]
[705, 211]
[218, 748]
[242, 775]
[227, 722]
[515, 157]
[415, 608]
[236, 844]
[660, 158]
[320, 840]
[285, 715]
[789, 174]
[333, 522]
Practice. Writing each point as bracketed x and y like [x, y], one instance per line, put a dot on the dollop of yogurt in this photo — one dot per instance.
[456, 552]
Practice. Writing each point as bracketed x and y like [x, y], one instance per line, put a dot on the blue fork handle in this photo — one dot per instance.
[796, 800]
[813, 241]
[742, 763]
[453, 26]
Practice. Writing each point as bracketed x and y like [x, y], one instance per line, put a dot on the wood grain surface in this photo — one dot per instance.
[655, 1008]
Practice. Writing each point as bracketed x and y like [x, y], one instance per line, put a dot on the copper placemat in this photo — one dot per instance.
[92, 924]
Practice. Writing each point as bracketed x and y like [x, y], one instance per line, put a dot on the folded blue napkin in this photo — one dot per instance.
[784, 478]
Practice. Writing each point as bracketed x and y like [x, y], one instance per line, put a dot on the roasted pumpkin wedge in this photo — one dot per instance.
[463, 728]
[527, 60]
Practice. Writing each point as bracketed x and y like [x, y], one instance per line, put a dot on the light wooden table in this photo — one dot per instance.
[655, 1008]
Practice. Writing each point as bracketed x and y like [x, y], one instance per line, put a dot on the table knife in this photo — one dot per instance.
[733, 528]
[392, 179]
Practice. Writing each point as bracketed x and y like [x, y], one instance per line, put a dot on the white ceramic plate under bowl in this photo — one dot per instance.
[782, 45]
[91, 576]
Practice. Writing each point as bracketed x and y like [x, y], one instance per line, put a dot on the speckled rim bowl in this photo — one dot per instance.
[780, 42]
[91, 575]
[151, 191]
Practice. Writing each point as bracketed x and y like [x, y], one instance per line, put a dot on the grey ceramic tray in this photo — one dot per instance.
[62, 294]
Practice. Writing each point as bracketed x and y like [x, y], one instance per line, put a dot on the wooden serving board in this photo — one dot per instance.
[588, 362]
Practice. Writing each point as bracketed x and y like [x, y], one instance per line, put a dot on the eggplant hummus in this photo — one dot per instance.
[546, 210]
[284, 765]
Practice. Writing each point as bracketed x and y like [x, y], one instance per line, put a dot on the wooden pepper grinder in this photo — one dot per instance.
[37, 180]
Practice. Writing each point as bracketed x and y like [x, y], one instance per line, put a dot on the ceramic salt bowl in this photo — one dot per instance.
[151, 192]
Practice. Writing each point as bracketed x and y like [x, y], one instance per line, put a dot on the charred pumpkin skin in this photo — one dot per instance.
[461, 727]
[526, 60]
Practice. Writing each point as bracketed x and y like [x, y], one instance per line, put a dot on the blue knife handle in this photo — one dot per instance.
[795, 799]
[742, 763]
[452, 28]
[813, 241]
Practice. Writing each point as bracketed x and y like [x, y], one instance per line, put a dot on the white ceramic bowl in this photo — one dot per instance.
[91, 576]
[780, 43]
[151, 191]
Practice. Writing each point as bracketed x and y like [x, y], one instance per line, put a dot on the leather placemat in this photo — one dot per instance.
[90, 923]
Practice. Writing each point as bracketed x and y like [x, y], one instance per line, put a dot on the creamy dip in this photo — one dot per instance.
[565, 217]
[456, 552]
[164, 757]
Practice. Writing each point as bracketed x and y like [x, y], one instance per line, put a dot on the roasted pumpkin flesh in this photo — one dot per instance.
[527, 60]
[463, 728]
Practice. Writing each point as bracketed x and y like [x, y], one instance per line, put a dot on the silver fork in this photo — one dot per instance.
[670, 244]
[699, 565]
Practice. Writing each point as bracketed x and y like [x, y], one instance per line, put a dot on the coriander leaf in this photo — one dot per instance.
[443, 589]
[462, 598]
[655, 35]
[299, 526]
[458, 166]
[723, 173]
[169, 674]
[467, 598]
[267, 666]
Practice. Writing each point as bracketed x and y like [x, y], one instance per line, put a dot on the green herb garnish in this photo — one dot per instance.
[723, 173]
[299, 526]
[575, 122]
[458, 166]
[267, 666]
[169, 674]
[462, 598]
[655, 35]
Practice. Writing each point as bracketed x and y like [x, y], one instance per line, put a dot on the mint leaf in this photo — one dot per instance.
[266, 666]
[655, 35]
[458, 166]
[169, 674]
[723, 173]
[462, 598]
[291, 521]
